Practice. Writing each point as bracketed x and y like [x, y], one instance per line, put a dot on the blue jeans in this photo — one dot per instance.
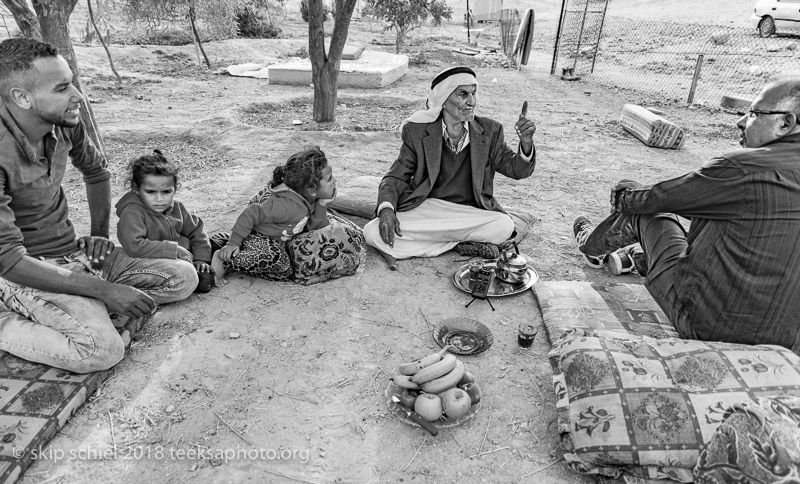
[75, 332]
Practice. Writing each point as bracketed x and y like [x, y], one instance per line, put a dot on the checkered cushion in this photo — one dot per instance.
[647, 407]
[37, 400]
[601, 305]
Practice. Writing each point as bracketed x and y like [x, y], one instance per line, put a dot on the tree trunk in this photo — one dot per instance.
[325, 66]
[102, 41]
[197, 42]
[399, 40]
[25, 19]
[54, 21]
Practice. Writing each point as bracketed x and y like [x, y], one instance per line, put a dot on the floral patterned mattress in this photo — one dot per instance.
[636, 402]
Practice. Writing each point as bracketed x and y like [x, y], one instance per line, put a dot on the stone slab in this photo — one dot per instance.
[352, 51]
[372, 70]
[736, 102]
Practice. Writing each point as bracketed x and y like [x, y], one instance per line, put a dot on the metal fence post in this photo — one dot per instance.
[558, 36]
[469, 42]
[696, 77]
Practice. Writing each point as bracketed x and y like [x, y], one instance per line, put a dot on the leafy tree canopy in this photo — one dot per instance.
[406, 15]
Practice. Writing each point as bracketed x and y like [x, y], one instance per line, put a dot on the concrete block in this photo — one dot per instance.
[736, 103]
[720, 37]
[372, 70]
[352, 51]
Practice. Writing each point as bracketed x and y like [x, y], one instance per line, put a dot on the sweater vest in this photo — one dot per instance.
[454, 183]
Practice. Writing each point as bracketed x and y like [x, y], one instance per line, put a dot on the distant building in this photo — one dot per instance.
[486, 10]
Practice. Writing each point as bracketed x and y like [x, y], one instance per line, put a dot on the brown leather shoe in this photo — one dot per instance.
[485, 250]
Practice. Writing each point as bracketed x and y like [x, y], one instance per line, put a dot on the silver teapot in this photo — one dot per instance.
[512, 267]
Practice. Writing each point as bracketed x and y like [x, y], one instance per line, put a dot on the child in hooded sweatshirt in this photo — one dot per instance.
[153, 225]
[298, 200]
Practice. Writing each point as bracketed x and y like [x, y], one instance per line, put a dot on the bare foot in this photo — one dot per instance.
[219, 270]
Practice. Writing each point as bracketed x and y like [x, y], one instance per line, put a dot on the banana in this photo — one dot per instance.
[435, 370]
[447, 381]
[404, 381]
[422, 363]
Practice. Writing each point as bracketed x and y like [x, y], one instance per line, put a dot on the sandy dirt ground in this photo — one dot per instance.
[275, 382]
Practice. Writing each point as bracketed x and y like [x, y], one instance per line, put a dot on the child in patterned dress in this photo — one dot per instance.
[297, 200]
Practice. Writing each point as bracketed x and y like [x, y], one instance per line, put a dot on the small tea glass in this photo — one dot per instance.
[474, 268]
[526, 334]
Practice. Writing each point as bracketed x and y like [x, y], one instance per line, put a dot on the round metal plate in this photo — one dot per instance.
[498, 288]
[465, 336]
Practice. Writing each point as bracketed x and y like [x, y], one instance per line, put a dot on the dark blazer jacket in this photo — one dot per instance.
[410, 179]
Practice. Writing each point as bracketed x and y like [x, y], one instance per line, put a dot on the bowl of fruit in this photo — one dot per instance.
[434, 392]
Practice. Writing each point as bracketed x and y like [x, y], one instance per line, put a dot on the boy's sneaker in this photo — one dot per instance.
[485, 250]
[581, 229]
[624, 260]
[595, 262]
[620, 262]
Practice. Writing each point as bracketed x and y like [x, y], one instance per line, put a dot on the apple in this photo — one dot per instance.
[429, 406]
[455, 402]
[473, 390]
[467, 378]
[408, 397]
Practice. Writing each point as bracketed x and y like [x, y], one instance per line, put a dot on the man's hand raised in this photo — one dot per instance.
[388, 226]
[525, 129]
[96, 248]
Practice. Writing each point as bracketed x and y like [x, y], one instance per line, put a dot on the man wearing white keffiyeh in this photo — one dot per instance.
[438, 194]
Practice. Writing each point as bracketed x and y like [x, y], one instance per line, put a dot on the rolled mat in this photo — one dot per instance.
[651, 129]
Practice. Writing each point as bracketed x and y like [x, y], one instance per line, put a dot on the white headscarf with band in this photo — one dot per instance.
[438, 96]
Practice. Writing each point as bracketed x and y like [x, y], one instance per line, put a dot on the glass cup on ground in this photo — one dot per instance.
[526, 334]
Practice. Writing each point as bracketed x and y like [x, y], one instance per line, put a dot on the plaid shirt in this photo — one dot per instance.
[463, 141]
[739, 279]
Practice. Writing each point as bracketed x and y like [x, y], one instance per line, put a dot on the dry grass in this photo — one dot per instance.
[364, 113]
[195, 158]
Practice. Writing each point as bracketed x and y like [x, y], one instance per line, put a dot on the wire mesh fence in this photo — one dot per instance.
[580, 28]
[6, 14]
[680, 62]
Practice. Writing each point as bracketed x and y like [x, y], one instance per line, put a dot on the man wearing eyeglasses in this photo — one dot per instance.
[735, 276]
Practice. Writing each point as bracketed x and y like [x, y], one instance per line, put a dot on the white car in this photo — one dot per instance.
[773, 16]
